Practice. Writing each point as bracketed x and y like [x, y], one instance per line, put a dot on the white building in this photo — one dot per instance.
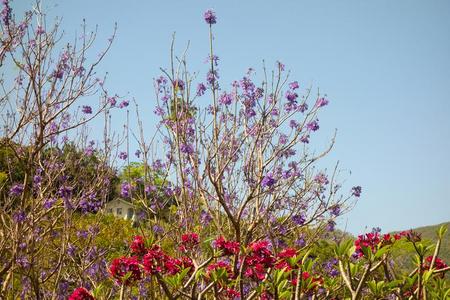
[121, 209]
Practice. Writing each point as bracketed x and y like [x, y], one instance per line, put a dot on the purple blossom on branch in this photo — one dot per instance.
[87, 109]
[313, 125]
[210, 17]
[201, 88]
[268, 180]
[294, 85]
[356, 191]
[299, 219]
[16, 190]
[123, 155]
[124, 104]
[321, 102]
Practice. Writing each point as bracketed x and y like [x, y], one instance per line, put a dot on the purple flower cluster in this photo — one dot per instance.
[124, 104]
[313, 125]
[226, 98]
[87, 109]
[201, 89]
[268, 180]
[16, 190]
[299, 219]
[321, 102]
[6, 12]
[210, 17]
[356, 191]
[125, 189]
[123, 155]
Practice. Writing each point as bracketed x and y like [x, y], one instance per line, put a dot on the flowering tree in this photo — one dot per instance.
[42, 109]
[243, 160]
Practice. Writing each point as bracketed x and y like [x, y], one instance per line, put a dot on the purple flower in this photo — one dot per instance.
[356, 191]
[6, 13]
[268, 180]
[299, 219]
[112, 101]
[330, 225]
[302, 107]
[178, 84]
[48, 203]
[321, 102]
[186, 148]
[226, 99]
[123, 155]
[211, 78]
[280, 65]
[300, 242]
[201, 88]
[124, 103]
[16, 190]
[159, 111]
[210, 17]
[291, 96]
[125, 189]
[205, 218]
[305, 139]
[19, 216]
[293, 124]
[40, 30]
[321, 179]
[138, 153]
[158, 229]
[294, 85]
[87, 109]
[313, 125]
[336, 210]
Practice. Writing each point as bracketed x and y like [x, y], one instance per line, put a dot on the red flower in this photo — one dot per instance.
[154, 260]
[259, 259]
[283, 256]
[189, 241]
[287, 253]
[220, 265]
[138, 246]
[81, 294]
[227, 247]
[438, 263]
[122, 266]
[232, 293]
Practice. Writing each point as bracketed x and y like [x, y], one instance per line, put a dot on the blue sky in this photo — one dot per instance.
[385, 66]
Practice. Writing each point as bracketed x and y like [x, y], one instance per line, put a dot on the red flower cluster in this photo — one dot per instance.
[221, 264]
[371, 240]
[227, 247]
[156, 261]
[232, 294]
[189, 241]
[122, 266]
[259, 259]
[438, 263]
[283, 259]
[138, 246]
[81, 294]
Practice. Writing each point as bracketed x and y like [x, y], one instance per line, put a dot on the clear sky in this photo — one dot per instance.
[385, 66]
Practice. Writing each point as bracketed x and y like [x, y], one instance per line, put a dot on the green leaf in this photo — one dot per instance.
[441, 231]
[382, 251]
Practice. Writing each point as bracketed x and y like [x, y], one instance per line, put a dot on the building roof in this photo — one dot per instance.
[122, 201]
